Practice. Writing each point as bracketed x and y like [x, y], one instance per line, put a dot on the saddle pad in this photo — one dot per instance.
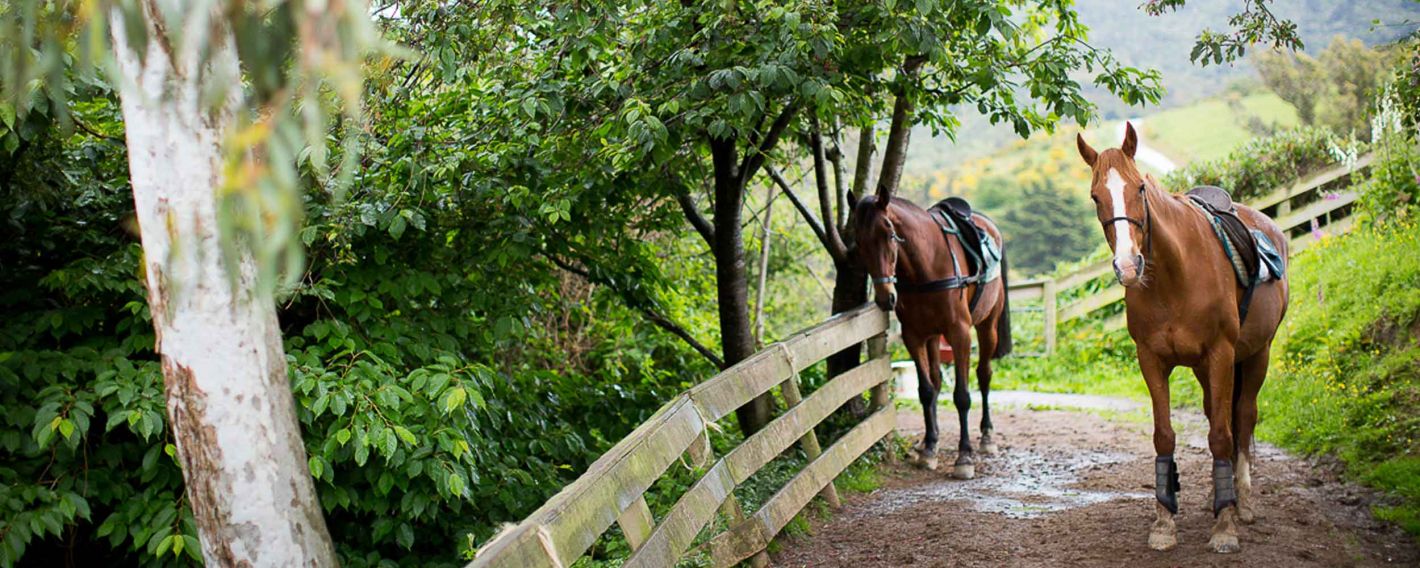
[1274, 265]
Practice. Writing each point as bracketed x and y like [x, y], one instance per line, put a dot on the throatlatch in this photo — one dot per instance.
[1224, 492]
[1166, 482]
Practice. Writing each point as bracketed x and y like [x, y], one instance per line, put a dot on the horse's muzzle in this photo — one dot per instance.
[887, 302]
[1129, 273]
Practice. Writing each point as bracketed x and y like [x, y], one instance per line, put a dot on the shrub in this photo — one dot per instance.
[421, 368]
[1267, 164]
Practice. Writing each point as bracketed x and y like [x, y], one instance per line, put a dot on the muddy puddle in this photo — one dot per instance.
[1019, 484]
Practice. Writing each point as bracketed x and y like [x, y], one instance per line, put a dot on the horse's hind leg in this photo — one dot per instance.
[929, 383]
[986, 339]
[1254, 371]
[960, 340]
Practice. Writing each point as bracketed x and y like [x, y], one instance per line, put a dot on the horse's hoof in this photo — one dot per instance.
[964, 471]
[1224, 543]
[1225, 532]
[1246, 515]
[928, 463]
[1163, 540]
[988, 447]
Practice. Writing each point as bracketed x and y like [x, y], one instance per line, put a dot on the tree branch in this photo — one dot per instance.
[692, 213]
[799, 204]
[840, 187]
[755, 158]
[832, 241]
[90, 130]
[653, 316]
[900, 132]
[863, 167]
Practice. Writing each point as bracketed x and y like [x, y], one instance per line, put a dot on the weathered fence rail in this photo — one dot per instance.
[1297, 208]
[613, 488]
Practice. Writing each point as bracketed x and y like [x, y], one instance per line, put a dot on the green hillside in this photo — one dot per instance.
[1209, 129]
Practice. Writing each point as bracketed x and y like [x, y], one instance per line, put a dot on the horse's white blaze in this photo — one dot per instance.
[1123, 239]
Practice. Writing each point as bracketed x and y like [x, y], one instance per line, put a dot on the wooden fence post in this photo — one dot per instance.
[790, 390]
[1047, 298]
[882, 393]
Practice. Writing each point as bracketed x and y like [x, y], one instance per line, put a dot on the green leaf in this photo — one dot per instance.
[405, 536]
[7, 115]
[342, 436]
[193, 547]
[405, 435]
[456, 484]
[397, 227]
[454, 399]
[317, 468]
[166, 544]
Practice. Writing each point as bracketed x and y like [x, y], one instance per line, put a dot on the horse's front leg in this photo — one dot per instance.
[960, 340]
[928, 385]
[1217, 372]
[1163, 535]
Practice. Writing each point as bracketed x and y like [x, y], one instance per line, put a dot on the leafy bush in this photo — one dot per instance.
[420, 344]
[1347, 377]
[1266, 164]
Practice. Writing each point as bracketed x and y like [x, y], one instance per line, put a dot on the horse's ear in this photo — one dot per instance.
[881, 202]
[1087, 153]
[1131, 140]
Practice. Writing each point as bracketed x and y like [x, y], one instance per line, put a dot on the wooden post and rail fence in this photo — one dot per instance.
[613, 490]
[1297, 209]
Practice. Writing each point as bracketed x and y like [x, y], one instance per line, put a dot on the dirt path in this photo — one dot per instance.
[1072, 489]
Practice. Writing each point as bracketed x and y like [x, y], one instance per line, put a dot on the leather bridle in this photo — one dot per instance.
[1146, 225]
[892, 234]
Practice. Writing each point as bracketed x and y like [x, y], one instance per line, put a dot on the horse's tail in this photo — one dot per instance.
[1003, 323]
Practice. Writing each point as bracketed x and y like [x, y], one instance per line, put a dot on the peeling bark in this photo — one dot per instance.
[228, 399]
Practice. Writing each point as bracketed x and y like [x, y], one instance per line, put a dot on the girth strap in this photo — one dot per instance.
[948, 283]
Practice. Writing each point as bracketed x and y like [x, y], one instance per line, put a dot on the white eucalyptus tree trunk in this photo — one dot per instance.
[228, 399]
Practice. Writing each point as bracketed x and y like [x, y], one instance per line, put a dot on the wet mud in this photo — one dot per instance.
[1069, 488]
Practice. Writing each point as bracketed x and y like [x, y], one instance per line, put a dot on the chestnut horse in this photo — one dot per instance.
[1182, 302]
[898, 241]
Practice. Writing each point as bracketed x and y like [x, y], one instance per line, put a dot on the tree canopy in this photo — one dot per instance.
[526, 215]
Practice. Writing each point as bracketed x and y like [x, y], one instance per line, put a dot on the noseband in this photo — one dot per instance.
[1146, 225]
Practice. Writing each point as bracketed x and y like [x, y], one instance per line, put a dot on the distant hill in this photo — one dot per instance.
[1164, 43]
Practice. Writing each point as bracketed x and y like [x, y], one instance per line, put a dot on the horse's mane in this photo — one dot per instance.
[867, 209]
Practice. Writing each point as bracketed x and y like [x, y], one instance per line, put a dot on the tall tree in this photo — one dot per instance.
[216, 210]
[1003, 58]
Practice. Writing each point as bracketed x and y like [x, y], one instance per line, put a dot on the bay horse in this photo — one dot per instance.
[1182, 303]
[899, 242]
